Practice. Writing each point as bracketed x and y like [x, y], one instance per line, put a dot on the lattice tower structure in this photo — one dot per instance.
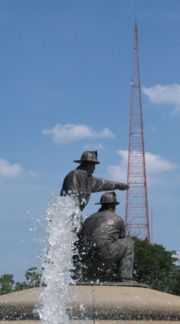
[136, 210]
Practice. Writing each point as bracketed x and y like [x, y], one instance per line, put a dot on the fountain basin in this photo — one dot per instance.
[98, 303]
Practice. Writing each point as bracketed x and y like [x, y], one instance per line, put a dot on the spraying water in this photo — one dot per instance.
[63, 218]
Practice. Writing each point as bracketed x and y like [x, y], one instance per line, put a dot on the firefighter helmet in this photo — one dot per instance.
[88, 156]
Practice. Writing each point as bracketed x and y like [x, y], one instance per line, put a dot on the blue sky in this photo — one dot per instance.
[65, 72]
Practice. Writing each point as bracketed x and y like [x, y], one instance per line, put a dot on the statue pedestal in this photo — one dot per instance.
[98, 304]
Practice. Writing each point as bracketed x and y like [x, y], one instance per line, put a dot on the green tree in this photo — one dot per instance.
[33, 277]
[6, 283]
[20, 285]
[155, 266]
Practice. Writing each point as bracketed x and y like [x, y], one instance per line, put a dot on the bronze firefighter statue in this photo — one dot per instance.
[82, 183]
[105, 249]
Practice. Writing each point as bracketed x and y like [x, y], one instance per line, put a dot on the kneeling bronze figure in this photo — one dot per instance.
[105, 250]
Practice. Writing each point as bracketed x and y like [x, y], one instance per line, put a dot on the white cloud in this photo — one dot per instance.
[9, 170]
[177, 256]
[155, 164]
[119, 172]
[164, 94]
[70, 132]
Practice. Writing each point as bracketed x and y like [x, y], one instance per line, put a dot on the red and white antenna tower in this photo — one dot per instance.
[137, 213]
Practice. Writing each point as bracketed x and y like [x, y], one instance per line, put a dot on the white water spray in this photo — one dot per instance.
[62, 231]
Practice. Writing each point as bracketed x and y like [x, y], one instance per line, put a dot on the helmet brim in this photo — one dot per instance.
[109, 203]
[80, 161]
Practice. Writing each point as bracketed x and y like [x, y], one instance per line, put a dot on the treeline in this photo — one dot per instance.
[32, 278]
[156, 267]
[153, 265]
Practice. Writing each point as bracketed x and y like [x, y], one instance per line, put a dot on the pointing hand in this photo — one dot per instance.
[123, 186]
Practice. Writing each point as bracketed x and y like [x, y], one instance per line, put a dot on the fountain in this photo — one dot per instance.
[57, 268]
[63, 300]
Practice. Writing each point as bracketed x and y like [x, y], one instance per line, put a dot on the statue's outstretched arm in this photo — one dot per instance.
[99, 184]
